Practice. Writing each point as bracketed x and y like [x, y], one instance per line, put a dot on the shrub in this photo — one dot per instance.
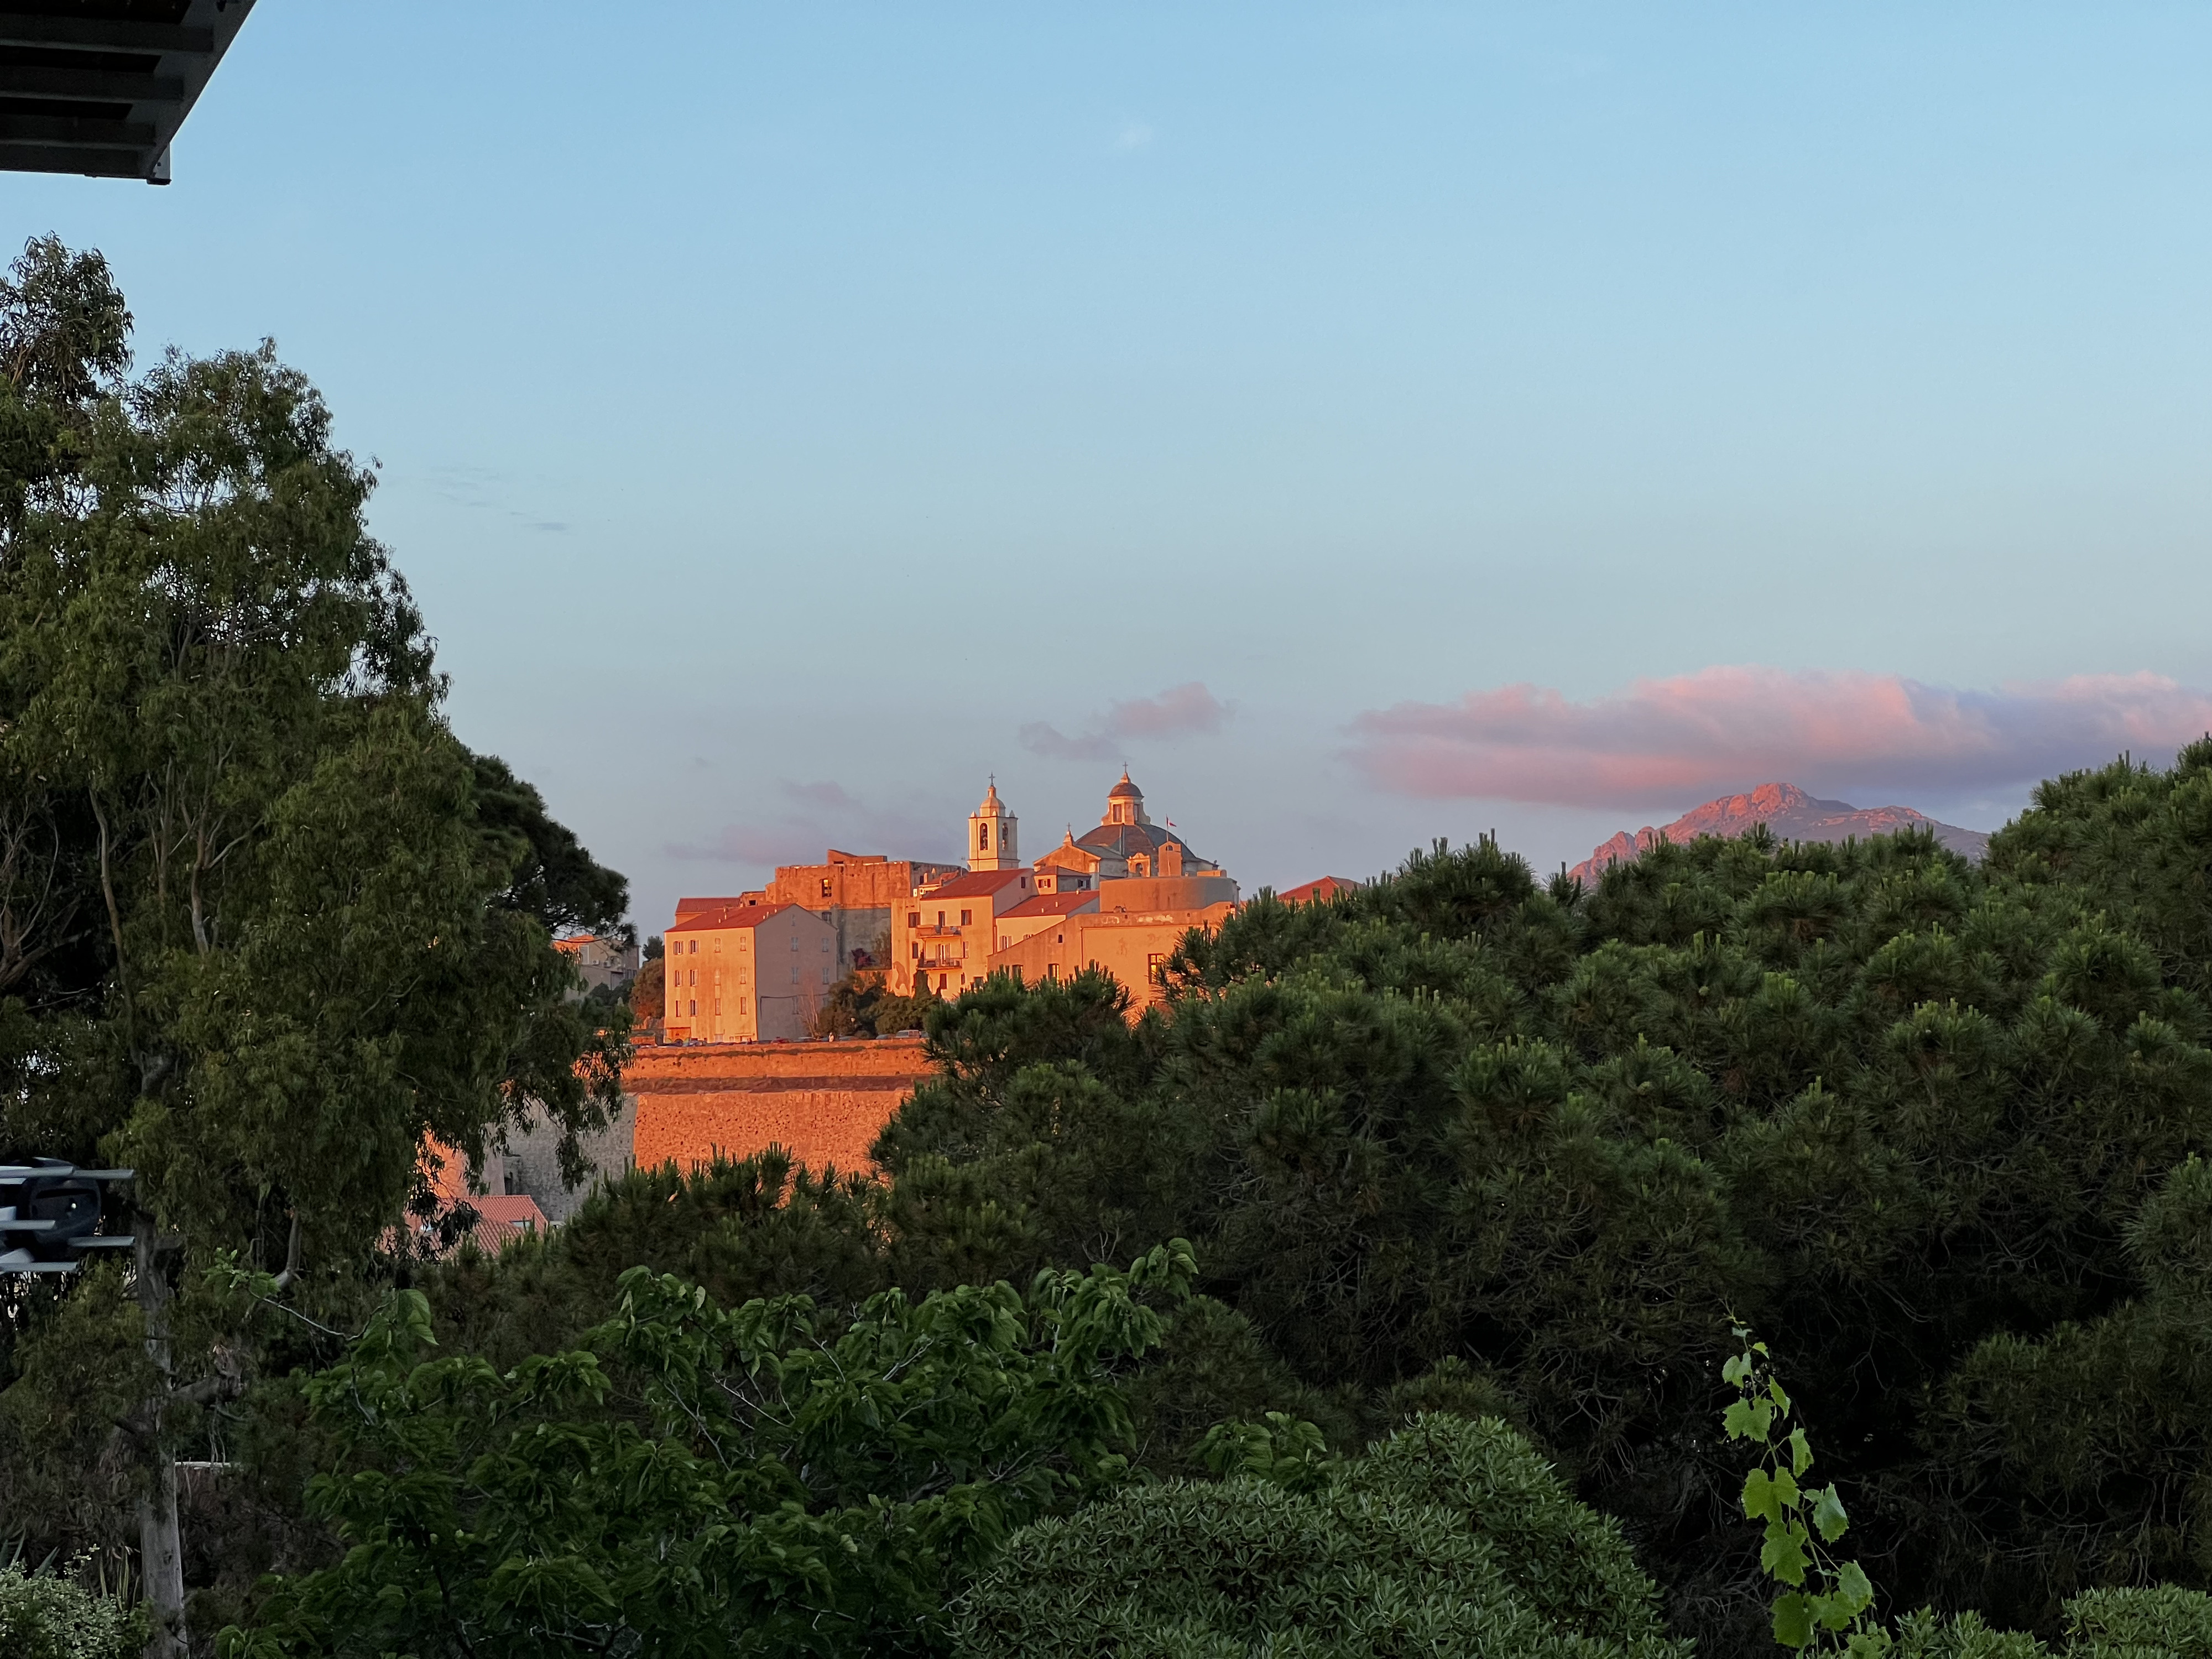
[43, 1616]
[1453, 1536]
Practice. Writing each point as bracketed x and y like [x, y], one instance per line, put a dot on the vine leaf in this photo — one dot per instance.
[1828, 1516]
[1784, 1554]
[1793, 1621]
[1852, 1584]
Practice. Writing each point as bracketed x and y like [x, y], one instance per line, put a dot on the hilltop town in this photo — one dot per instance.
[759, 966]
[1785, 1233]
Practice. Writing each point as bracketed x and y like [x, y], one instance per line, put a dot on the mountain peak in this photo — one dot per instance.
[1790, 813]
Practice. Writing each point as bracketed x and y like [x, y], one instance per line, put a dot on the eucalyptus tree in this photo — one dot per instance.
[265, 923]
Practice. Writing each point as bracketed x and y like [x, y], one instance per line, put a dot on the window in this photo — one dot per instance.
[1155, 967]
[940, 918]
[693, 950]
[967, 918]
[794, 941]
[983, 837]
[694, 976]
[794, 973]
[825, 887]
[940, 981]
[913, 918]
[694, 1007]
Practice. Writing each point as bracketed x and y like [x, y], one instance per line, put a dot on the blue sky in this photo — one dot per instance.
[781, 409]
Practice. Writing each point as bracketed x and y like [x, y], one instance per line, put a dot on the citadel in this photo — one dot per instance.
[756, 967]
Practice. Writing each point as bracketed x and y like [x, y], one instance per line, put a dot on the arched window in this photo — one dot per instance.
[983, 837]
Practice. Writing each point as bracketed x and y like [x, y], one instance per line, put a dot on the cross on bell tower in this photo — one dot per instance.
[992, 839]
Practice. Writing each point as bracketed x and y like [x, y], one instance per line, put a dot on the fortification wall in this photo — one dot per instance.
[823, 1102]
[532, 1162]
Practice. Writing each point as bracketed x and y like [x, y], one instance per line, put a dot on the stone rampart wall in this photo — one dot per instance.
[824, 1102]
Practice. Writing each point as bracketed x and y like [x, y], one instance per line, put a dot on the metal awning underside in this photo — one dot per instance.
[100, 86]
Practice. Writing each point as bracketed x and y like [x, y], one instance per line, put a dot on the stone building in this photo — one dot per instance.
[749, 973]
[1040, 911]
[1133, 946]
[944, 938]
[943, 925]
[856, 893]
[611, 963]
[1117, 896]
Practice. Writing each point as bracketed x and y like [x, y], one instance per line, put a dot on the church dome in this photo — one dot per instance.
[1125, 790]
[992, 805]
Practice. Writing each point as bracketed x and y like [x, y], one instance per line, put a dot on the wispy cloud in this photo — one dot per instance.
[1133, 135]
[484, 488]
[809, 817]
[1663, 742]
[1180, 711]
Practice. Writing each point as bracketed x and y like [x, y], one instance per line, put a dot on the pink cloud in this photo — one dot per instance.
[1185, 710]
[1722, 729]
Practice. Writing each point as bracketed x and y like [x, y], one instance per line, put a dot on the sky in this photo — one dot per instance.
[1369, 423]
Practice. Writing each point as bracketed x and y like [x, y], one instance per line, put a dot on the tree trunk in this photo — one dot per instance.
[160, 1546]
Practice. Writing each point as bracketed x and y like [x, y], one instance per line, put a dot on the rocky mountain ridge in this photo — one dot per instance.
[1792, 814]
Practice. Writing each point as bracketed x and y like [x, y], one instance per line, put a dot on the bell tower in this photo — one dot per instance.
[992, 838]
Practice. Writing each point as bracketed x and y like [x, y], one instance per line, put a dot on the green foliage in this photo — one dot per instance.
[1825, 1604]
[265, 922]
[1212, 1368]
[2160, 1622]
[1453, 1536]
[861, 1004]
[740, 1229]
[1284, 1451]
[1456, 1142]
[2159, 1619]
[1022, 1151]
[698, 1481]
[2136, 839]
[2014, 1416]
[46, 1616]
[1905, 1109]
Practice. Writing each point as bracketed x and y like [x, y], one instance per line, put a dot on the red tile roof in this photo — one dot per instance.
[1319, 891]
[712, 921]
[978, 882]
[503, 1217]
[691, 907]
[1052, 904]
